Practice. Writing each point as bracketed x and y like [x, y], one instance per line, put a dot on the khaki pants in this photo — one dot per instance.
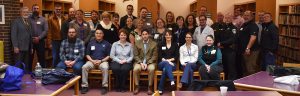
[88, 66]
[250, 63]
[137, 70]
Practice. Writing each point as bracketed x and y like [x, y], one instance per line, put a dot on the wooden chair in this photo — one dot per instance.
[159, 73]
[130, 79]
[143, 73]
[291, 65]
[156, 93]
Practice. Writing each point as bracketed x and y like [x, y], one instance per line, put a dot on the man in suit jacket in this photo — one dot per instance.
[129, 14]
[82, 27]
[21, 37]
[145, 56]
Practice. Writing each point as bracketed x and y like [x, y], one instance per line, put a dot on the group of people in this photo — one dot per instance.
[231, 44]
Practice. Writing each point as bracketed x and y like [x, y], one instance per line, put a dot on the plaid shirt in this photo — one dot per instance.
[72, 51]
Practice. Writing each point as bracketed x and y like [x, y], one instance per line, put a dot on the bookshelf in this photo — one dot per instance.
[106, 6]
[289, 36]
[251, 5]
[193, 7]
[47, 6]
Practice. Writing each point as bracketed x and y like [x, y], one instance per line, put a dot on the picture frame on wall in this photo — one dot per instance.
[2, 14]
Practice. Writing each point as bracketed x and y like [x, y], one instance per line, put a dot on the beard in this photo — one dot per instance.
[35, 13]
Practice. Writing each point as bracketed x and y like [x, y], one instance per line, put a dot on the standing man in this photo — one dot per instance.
[145, 57]
[203, 11]
[40, 29]
[225, 40]
[65, 25]
[129, 10]
[21, 37]
[201, 32]
[72, 52]
[55, 35]
[269, 41]
[247, 44]
[238, 20]
[259, 25]
[148, 24]
[94, 22]
[97, 54]
[82, 27]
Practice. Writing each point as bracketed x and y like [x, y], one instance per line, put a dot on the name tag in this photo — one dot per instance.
[241, 29]
[234, 31]
[84, 24]
[38, 22]
[93, 47]
[112, 29]
[213, 52]
[156, 36]
[148, 24]
[170, 28]
[163, 48]
[76, 51]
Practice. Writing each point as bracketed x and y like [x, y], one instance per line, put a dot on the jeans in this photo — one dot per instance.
[76, 67]
[188, 73]
[40, 51]
[55, 52]
[167, 70]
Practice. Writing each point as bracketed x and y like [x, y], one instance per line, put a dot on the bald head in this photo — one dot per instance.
[248, 16]
[220, 17]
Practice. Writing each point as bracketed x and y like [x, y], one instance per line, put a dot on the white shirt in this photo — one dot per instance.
[200, 38]
[189, 56]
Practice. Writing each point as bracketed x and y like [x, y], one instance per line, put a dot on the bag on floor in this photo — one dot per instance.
[57, 76]
[13, 78]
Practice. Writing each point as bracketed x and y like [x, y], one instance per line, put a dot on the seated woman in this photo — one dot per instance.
[122, 56]
[210, 58]
[168, 52]
[188, 58]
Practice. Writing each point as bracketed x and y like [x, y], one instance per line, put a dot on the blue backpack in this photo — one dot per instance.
[13, 78]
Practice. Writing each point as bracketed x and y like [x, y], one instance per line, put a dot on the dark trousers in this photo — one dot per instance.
[229, 63]
[199, 85]
[55, 52]
[120, 72]
[167, 70]
[25, 57]
[76, 67]
[188, 73]
[213, 74]
[268, 58]
[39, 49]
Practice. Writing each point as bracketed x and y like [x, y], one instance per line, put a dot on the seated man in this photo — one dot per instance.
[97, 54]
[145, 57]
[71, 52]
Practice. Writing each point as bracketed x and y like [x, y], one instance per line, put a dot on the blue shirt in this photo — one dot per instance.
[119, 52]
[98, 49]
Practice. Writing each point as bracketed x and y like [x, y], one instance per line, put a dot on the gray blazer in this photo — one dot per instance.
[21, 36]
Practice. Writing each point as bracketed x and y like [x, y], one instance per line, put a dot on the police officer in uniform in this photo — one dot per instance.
[225, 39]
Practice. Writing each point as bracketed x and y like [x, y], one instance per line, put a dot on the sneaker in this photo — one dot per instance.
[160, 92]
[84, 90]
[103, 90]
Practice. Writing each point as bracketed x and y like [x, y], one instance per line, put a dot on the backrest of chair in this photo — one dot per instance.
[291, 65]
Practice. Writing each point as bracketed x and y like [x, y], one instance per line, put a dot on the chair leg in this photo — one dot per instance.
[177, 81]
[109, 80]
[133, 82]
[155, 82]
[130, 81]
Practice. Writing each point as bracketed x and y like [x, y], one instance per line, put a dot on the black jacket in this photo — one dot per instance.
[269, 37]
[123, 20]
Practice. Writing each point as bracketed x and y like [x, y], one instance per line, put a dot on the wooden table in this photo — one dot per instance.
[31, 88]
[262, 81]
[229, 93]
